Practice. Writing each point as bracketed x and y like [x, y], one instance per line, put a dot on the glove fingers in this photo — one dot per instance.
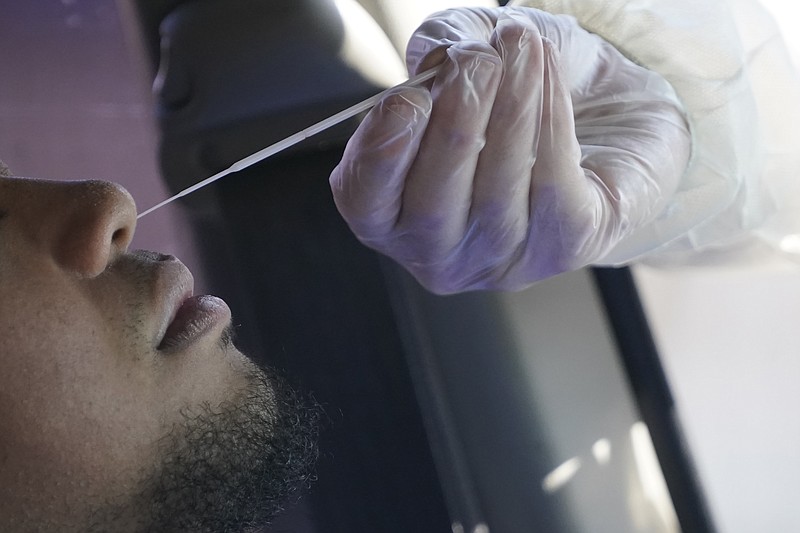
[368, 183]
[438, 190]
[566, 206]
[501, 195]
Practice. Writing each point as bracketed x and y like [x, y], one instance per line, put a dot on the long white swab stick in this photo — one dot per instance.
[294, 139]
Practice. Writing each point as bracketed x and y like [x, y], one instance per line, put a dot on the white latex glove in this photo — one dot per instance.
[537, 149]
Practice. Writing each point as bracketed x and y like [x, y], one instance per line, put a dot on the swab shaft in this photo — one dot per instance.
[294, 139]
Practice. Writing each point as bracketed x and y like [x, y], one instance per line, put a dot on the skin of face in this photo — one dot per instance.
[89, 404]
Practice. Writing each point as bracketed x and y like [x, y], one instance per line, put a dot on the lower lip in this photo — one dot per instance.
[195, 319]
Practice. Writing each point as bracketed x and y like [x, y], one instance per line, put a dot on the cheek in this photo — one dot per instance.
[73, 406]
[70, 408]
[72, 437]
[72, 443]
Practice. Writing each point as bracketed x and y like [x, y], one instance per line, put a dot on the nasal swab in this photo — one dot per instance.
[294, 139]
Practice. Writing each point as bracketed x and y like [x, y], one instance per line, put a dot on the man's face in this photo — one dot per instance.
[113, 381]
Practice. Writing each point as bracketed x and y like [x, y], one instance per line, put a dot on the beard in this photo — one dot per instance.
[229, 469]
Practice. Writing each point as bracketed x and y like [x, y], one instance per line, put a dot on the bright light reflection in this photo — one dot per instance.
[791, 244]
[561, 475]
[786, 13]
[651, 478]
[458, 528]
[602, 451]
[390, 70]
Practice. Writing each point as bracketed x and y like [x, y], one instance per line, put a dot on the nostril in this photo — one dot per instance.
[121, 237]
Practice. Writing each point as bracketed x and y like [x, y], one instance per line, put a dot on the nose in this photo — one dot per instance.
[83, 225]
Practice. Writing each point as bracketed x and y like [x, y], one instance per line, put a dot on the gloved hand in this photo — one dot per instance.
[537, 149]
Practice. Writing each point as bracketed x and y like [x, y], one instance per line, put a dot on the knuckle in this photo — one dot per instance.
[514, 31]
[460, 141]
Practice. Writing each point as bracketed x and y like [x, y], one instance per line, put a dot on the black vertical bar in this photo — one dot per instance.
[645, 372]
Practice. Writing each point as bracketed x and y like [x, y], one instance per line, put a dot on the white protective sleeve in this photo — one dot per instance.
[728, 63]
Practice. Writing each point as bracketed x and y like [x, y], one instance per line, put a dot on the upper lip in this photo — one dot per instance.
[175, 285]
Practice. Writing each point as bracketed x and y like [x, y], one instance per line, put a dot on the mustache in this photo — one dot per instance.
[139, 265]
